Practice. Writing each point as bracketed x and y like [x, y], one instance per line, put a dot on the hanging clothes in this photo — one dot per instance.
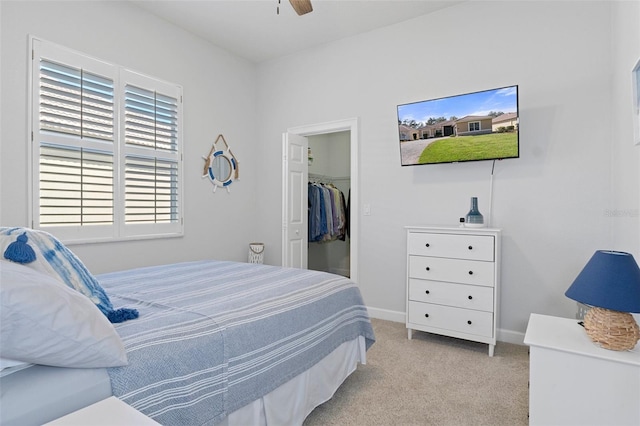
[327, 213]
[347, 215]
[317, 216]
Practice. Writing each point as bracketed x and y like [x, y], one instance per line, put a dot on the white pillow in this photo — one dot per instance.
[42, 321]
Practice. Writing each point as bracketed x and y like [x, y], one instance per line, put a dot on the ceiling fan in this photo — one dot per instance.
[301, 6]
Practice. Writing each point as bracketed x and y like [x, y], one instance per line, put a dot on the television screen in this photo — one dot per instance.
[470, 127]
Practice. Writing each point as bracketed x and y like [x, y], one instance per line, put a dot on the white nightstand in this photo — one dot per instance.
[572, 381]
[108, 412]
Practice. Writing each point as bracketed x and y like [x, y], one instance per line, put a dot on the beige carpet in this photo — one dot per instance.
[431, 380]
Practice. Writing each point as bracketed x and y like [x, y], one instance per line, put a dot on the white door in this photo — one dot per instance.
[294, 196]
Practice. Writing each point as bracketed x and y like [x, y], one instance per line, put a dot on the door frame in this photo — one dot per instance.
[351, 125]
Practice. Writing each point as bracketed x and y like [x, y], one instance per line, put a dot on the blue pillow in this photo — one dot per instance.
[44, 252]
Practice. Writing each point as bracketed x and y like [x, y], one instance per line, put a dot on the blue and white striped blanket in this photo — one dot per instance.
[213, 336]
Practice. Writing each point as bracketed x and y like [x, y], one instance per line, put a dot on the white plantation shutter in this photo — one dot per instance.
[73, 120]
[151, 194]
[106, 148]
[151, 119]
[75, 101]
[151, 151]
[76, 186]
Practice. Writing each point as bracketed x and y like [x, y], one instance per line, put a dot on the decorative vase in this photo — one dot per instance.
[474, 217]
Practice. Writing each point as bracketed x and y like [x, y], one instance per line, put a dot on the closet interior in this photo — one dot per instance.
[329, 190]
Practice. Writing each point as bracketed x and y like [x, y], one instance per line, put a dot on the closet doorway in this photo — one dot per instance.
[328, 142]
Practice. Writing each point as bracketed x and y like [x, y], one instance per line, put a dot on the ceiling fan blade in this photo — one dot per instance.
[301, 6]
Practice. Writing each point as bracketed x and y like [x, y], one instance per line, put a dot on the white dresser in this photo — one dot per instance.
[573, 381]
[453, 278]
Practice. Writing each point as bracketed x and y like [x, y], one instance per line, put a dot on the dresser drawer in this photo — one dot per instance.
[473, 247]
[452, 270]
[461, 320]
[459, 295]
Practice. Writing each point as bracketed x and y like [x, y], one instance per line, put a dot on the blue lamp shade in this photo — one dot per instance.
[610, 280]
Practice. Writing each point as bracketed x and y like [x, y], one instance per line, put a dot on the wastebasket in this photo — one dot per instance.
[256, 252]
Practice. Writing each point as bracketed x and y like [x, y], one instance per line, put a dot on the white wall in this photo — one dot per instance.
[219, 92]
[1, 97]
[624, 212]
[550, 203]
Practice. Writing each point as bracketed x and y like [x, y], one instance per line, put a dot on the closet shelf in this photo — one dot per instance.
[327, 177]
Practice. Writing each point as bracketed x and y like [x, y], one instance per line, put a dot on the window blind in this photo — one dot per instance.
[151, 178]
[106, 148]
[75, 182]
[76, 186]
[75, 102]
[151, 190]
[150, 119]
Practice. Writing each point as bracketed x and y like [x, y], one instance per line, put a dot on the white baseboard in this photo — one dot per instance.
[387, 315]
[508, 336]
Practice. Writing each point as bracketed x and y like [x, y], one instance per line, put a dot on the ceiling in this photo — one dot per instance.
[254, 30]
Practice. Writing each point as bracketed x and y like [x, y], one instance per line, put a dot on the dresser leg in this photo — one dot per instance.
[409, 333]
[491, 348]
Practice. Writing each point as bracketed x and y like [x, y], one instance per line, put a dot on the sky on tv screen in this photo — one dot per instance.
[478, 103]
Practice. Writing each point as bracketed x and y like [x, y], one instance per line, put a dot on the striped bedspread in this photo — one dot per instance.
[213, 336]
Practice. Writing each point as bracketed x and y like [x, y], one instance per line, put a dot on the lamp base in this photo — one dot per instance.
[613, 330]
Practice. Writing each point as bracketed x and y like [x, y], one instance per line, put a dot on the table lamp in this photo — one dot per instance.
[610, 285]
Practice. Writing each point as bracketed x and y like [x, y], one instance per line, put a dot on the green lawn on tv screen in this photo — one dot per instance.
[466, 148]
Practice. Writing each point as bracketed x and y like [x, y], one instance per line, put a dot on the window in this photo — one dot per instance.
[106, 149]
[474, 126]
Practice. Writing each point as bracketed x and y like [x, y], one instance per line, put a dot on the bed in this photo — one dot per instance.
[205, 342]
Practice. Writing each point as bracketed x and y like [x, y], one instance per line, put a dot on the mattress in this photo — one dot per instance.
[38, 394]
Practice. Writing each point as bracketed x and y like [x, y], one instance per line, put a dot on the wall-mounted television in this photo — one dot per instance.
[469, 127]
